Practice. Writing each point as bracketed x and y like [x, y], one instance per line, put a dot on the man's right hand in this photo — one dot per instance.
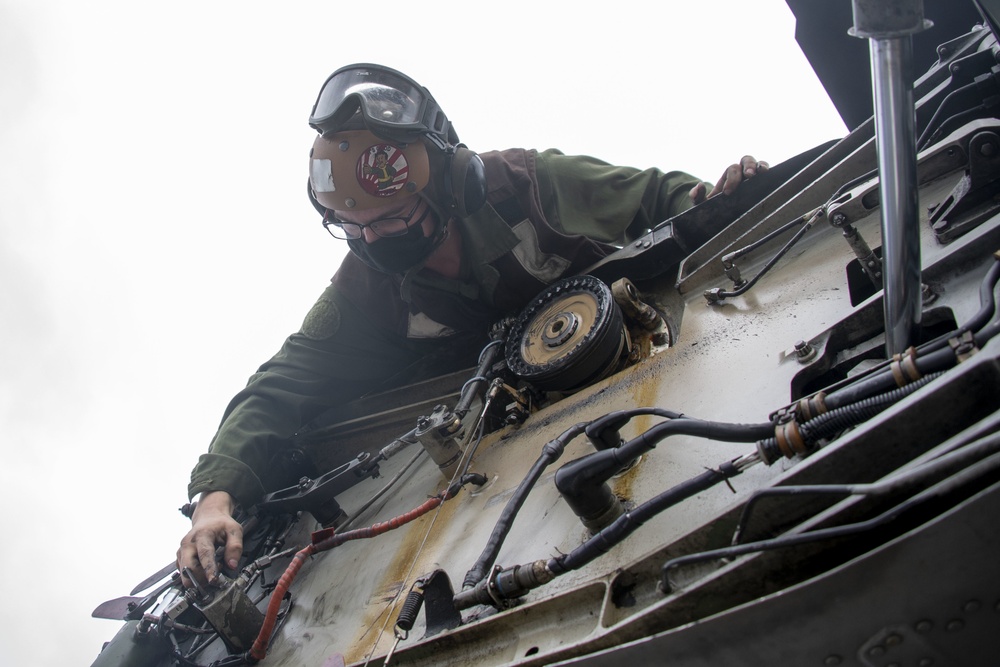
[212, 525]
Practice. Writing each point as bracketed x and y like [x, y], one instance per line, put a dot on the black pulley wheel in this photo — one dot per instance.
[570, 336]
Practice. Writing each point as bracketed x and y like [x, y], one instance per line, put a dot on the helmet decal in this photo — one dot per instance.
[382, 170]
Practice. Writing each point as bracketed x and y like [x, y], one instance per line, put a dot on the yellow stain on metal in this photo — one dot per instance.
[414, 557]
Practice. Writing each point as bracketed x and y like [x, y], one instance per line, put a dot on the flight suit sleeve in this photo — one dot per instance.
[584, 195]
[337, 356]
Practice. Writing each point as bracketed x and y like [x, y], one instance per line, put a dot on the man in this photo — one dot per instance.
[443, 243]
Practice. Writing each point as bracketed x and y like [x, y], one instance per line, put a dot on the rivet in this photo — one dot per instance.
[344, 146]
[876, 651]
[832, 660]
[923, 627]
[893, 640]
[954, 625]
[972, 606]
[350, 203]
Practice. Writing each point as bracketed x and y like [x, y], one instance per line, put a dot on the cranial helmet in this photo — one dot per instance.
[356, 170]
[383, 138]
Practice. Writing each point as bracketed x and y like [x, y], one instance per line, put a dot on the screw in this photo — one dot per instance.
[972, 606]
[923, 627]
[876, 651]
[987, 149]
[838, 220]
[954, 625]
[893, 640]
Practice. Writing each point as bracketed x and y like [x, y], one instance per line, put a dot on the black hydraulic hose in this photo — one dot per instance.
[987, 298]
[583, 482]
[726, 432]
[833, 422]
[986, 333]
[829, 424]
[987, 310]
[933, 356]
[629, 522]
[885, 380]
[948, 463]
[603, 431]
[550, 452]
[943, 488]
[486, 359]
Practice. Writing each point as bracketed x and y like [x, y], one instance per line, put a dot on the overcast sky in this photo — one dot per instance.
[156, 244]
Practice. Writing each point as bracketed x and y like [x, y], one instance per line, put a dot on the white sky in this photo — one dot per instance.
[156, 244]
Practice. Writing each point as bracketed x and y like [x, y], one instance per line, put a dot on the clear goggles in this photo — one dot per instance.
[393, 105]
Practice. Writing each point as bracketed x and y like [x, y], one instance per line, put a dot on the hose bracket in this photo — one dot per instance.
[964, 346]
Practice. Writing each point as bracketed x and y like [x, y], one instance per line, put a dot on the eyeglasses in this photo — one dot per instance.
[394, 106]
[384, 228]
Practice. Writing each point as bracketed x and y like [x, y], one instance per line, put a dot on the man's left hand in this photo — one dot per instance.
[735, 174]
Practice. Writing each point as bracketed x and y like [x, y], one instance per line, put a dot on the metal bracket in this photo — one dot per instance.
[317, 496]
[975, 197]
[439, 604]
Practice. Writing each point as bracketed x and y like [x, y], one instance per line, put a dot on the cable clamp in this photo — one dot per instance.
[904, 367]
[789, 439]
[811, 407]
[963, 346]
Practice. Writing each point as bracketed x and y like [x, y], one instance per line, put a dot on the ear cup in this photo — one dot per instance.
[467, 176]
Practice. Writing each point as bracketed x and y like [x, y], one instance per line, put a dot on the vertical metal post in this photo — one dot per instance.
[888, 25]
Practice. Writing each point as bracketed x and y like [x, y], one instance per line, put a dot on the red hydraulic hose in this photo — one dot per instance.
[324, 540]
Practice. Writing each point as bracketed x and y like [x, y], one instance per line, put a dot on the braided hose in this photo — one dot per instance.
[323, 541]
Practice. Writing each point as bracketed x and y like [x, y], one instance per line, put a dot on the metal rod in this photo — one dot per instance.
[897, 164]
[889, 26]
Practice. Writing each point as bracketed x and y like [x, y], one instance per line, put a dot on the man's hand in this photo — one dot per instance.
[212, 525]
[730, 180]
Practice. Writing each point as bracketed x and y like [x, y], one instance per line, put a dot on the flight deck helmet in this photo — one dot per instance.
[383, 137]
